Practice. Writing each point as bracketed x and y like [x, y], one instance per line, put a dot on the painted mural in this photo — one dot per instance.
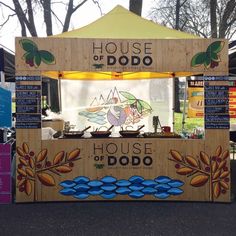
[33, 56]
[211, 169]
[34, 167]
[210, 58]
[109, 187]
[118, 108]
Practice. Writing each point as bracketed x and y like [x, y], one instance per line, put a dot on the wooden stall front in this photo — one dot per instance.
[122, 168]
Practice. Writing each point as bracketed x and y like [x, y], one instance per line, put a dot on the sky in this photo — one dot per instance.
[86, 14]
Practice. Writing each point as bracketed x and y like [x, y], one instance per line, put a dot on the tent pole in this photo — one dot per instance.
[173, 105]
[59, 91]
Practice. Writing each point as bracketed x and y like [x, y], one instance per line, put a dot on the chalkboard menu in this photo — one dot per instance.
[28, 102]
[216, 103]
[28, 78]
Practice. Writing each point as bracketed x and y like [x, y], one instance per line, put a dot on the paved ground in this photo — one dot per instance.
[119, 218]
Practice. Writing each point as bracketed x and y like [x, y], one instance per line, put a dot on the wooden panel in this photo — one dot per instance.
[120, 55]
[178, 160]
[57, 125]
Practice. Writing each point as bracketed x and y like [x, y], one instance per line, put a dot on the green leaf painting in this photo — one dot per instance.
[210, 58]
[33, 56]
[136, 103]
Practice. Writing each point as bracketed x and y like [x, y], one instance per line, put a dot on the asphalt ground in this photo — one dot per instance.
[119, 218]
[113, 218]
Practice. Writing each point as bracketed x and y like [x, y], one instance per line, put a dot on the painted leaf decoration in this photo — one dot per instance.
[218, 151]
[58, 158]
[191, 161]
[31, 162]
[37, 59]
[225, 154]
[47, 57]
[28, 45]
[127, 95]
[222, 165]
[204, 158]
[29, 172]
[131, 101]
[224, 174]
[41, 155]
[25, 148]
[216, 190]
[73, 154]
[139, 107]
[214, 57]
[224, 185]
[216, 174]
[23, 161]
[176, 155]
[21, 172]
[145, 105]
[21, 183]
[20, 152]
[46, 179]
[28, 187]
[207, 62]
[199, 180]
[216, 46]
[184, 170]
[198, 59]
[63, 169]
[214, 166]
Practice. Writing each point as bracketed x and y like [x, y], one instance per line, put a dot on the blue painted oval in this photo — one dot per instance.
[81, 195]
[176, 183]
[163, 179]
[149, 183]
[149, 190]
[95, 191]
[108, 187]
[81, 180]
[175, 191]
[136, 187]
[162, 195]
[67, 184]
[162, 187]
[108, 195]
[81, 187]
[108, 180]
[123, 183]
[95, 183]
[67, 191]
[123, 190]
[136, 179]
[136, 194]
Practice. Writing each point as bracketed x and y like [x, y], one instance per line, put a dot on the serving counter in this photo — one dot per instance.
[125, 169]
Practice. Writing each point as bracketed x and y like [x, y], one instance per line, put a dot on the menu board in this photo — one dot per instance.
[216, 101]
[28, 102]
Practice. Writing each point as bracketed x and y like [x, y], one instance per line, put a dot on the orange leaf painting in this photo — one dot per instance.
[46, 179]
[58, 158]
[199, 180]
[74, 154]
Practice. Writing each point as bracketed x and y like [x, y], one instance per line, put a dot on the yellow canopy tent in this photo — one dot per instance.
[120, 23]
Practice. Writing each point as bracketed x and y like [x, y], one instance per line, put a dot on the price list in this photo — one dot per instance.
[28, 102]
[216, 101]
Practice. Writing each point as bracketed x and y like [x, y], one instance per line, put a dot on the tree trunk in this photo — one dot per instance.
[47, 14]
[135, 6]
[225, 23]
[213, 4]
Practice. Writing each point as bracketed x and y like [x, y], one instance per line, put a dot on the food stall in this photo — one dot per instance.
[153, 166]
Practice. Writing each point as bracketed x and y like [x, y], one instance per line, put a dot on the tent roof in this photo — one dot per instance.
[120, 23]
[7, 65]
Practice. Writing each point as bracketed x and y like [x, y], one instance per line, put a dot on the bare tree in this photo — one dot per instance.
[206, 18]
[28, 9]
[136, 6]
